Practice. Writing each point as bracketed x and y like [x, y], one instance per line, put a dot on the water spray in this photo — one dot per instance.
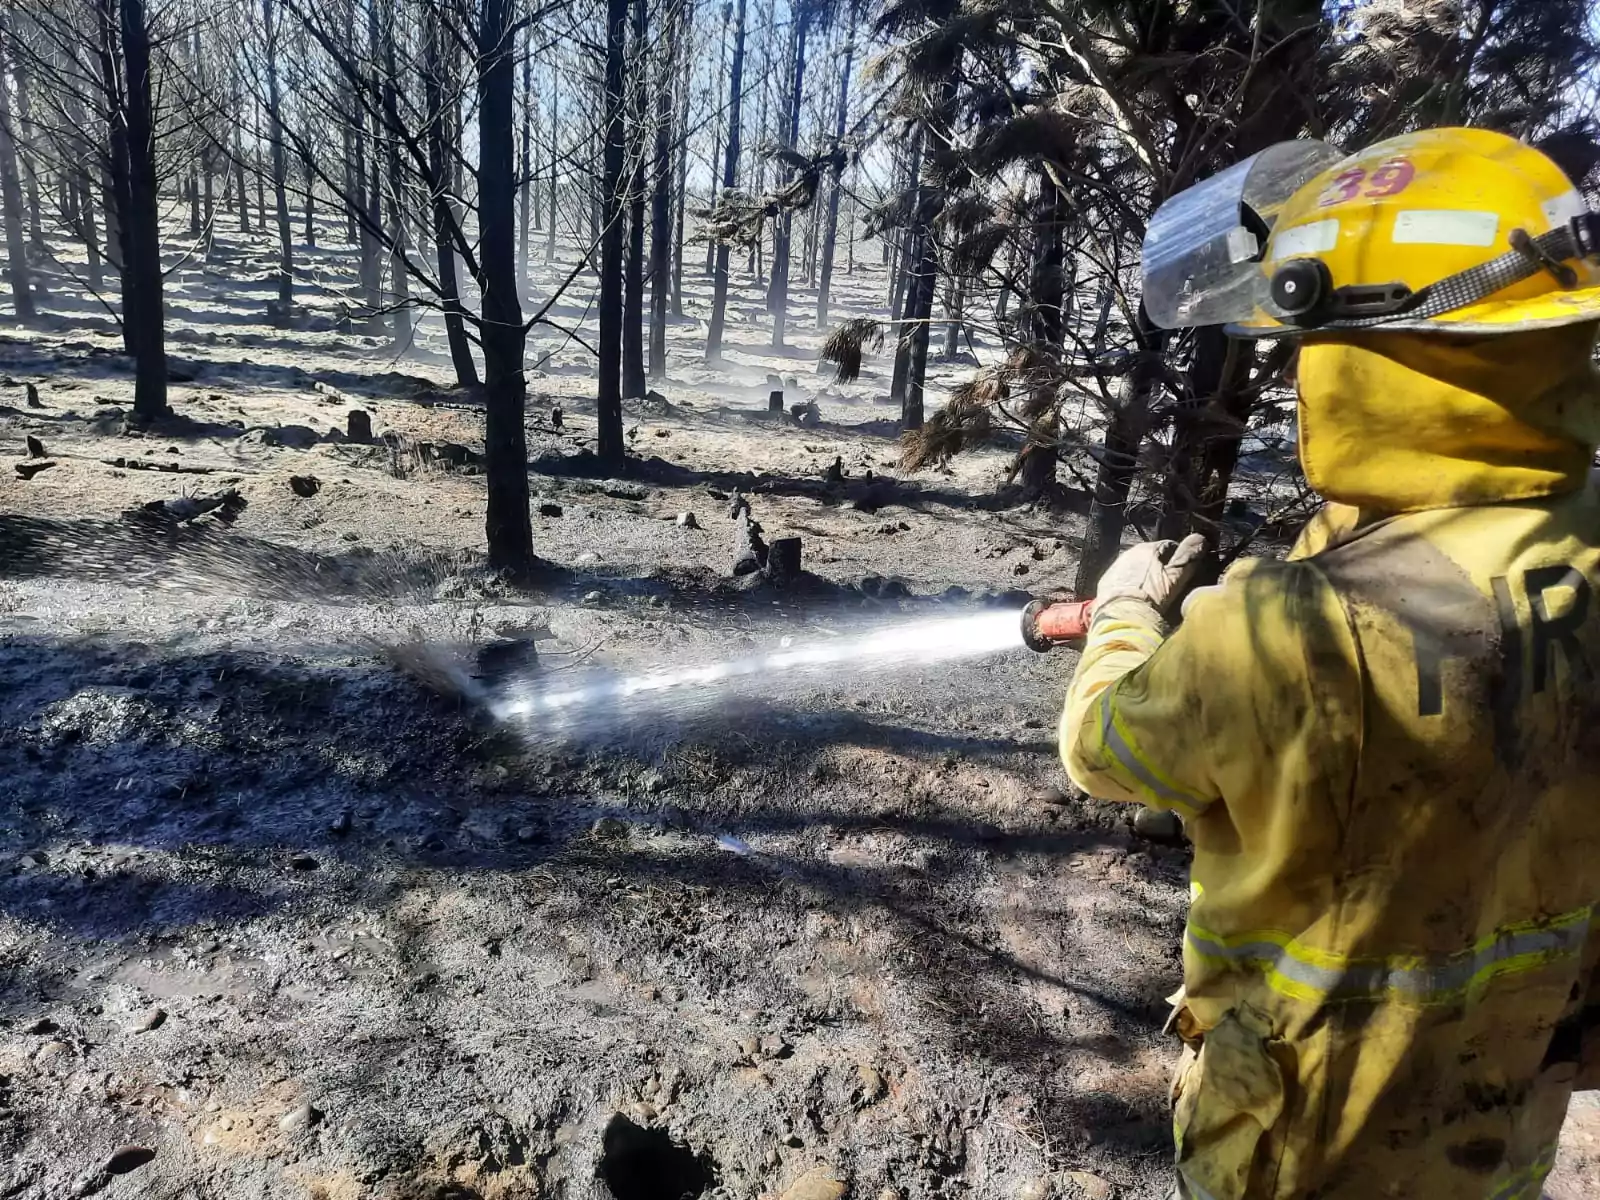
[593, 699]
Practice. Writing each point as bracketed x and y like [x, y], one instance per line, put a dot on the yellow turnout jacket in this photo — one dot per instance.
[1386, 752]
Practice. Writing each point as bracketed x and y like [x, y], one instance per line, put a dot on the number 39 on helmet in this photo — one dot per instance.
[1447, 230]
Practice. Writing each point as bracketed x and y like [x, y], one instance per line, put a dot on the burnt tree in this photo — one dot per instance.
[609, 394]
[509, 527]
[730, 176]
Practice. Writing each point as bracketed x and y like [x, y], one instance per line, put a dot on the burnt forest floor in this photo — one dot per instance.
[278, 919]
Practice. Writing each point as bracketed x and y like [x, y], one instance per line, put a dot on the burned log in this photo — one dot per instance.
[226, 504]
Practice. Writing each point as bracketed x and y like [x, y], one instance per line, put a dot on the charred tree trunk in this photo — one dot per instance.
[830, 230]
[850, 240]
[91, 235]
[902, 300]
[208, 162]
[920, 301]
[399, 268]
[612, 194]
[26, 150]
[434, 85]
[660, 206]
[716, 134]
[509, 527]
[1046, 288]
[114, 173]
[113, 194]
[11, 193]
[902, 351]
[260, 173]
[1200, 442]
[280, 164]
[238, 166]
[352, 186]
[730, 170]
[1119, 460]
[924, 285]
[756, 269]
[142, 310]
[555, 158]
[596, 188]
[955, 300]
[525, 188]
[1221, 453]
[308, 167]
[633, 379]
[680, 139]
[902, 249]
[783, 229]
[368, 192]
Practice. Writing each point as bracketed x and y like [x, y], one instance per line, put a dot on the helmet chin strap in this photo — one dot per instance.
[1578, 239]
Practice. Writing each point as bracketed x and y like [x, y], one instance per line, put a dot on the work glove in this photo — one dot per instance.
[1159, 573]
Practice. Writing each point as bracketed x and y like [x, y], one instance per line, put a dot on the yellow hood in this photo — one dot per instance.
[1399, 421]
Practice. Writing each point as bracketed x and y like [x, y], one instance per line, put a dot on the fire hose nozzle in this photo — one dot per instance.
[1047, 624]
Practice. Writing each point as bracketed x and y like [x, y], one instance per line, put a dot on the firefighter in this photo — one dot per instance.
[1385, 749]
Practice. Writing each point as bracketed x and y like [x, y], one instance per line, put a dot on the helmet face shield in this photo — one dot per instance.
[1202, 251]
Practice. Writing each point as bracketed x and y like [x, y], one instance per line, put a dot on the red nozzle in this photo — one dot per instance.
[1046, 625]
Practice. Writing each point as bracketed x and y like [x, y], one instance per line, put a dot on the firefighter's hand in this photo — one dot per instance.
[1158, 573]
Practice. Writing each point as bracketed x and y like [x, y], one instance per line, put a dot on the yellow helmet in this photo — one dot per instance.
[1447, 230]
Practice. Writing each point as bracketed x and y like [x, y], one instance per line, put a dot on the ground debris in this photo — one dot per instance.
[226, 504]
[151, 1020]
[819, 1183]
[27, 470]
[139, 464]
[302, 1117]
[1158, 824]
[1088, 1185]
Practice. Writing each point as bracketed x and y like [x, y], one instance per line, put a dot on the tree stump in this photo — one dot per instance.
[783, 560]
[358, 425]
[775, 403]
[34, 445]
[33, 396]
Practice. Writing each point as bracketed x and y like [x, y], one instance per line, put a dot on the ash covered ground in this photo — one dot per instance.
[277, 918]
